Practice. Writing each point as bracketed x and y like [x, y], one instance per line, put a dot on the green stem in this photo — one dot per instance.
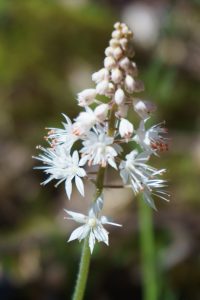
[83, 272]
[147, 243]
[85, 257]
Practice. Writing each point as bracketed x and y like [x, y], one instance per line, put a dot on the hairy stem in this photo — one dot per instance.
[147, 244]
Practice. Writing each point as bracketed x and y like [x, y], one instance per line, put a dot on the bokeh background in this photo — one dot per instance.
[48, 51]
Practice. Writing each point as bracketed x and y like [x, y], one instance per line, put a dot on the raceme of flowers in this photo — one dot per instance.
[103, 129]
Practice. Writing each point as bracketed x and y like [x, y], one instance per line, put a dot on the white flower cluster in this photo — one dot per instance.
[102, 131]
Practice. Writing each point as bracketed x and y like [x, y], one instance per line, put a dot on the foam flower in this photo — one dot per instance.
[92, 226]
[61, 166]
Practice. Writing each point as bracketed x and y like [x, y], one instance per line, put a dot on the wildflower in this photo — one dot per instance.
[92, 228]
[98, 149]
[151, 140]
[60, 165]
[66, 136]
[141, 176]
[98, 130]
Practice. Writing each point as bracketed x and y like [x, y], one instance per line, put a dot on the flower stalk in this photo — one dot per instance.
[147, 246]
[103, 133]
[83, 272]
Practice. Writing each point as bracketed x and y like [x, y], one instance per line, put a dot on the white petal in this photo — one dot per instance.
[105, 220]
[76, 216]
[81, 172]
[83, 161]
[76, 234]
[112, 163]
[79, 185]
[68, 187]
[149, 200]
[101, 234]
[75, 157]
[124, 175]
[91, 241]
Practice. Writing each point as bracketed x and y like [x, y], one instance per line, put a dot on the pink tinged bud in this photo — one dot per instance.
[101, 112]
[114, 43]
[102, 87]
[116, 34]
[100, 75]
[123, 43]
[125, 30]
[116, 75]
[86, 97]
[119, 96]
[117, 25]
[109, 51]
[129, 84]
[109, 63]
[125, 128]
[111, 88]
[117, 53]
[144, 108]
[125, 63]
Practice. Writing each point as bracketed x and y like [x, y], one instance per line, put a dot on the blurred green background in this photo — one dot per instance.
[48, 51]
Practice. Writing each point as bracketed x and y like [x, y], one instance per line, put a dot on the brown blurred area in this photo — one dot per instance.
[48, 51]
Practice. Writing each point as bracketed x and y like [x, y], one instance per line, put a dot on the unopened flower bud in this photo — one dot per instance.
[109, 51]
[117, 53]
[86, 97]
[123, 43]
[100, 75]
[114, 43]
[119, 96]
[117, 25]
[116, 34]
[129, 84]
[125, 30]
[111, 88]
[116, 75]
[144, 108]
[125, 128]
[101, 112]
[109, 62]
[125, 63]
[102, 87]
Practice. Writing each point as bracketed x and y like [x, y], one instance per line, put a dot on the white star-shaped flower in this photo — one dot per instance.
[98, 149]
[60, 165]
[141, 177]
[92, 228]
[66, 136]
[151, 140]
